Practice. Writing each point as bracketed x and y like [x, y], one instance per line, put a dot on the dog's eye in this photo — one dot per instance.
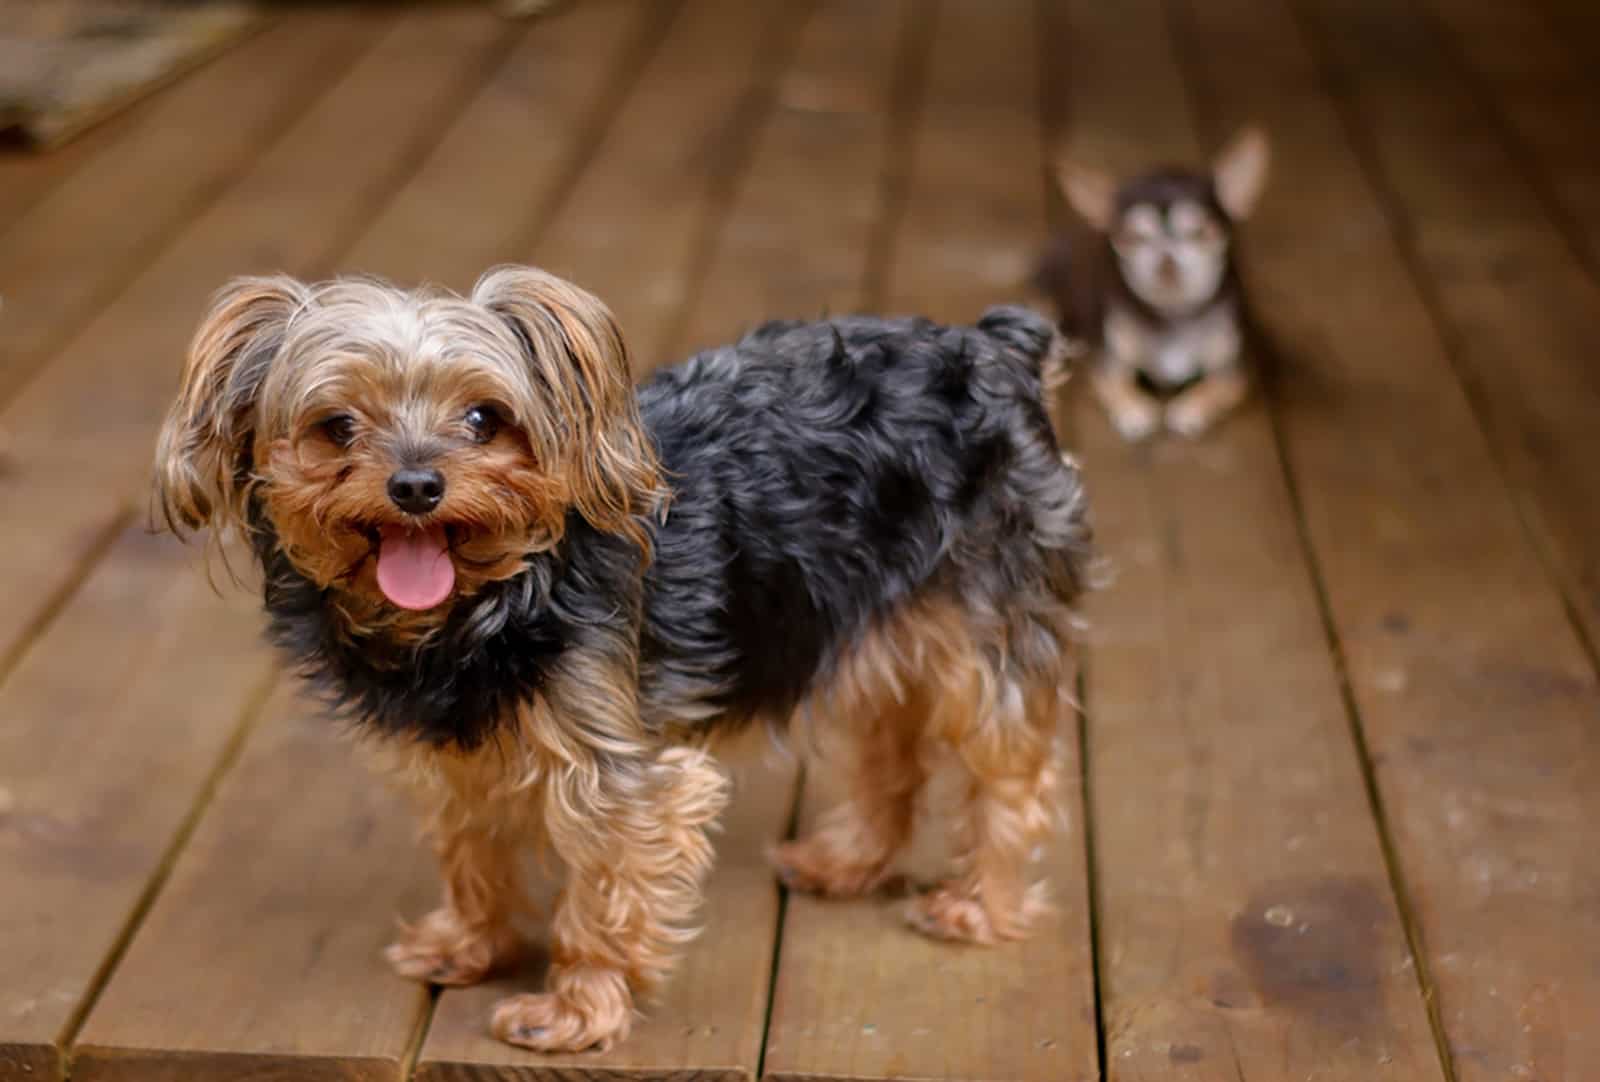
[483, 423]
[340, 429]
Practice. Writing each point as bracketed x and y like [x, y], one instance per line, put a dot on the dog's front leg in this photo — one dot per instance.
[472, 934]
[633, 836]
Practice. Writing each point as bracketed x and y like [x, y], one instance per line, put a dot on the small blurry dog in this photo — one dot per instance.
[540, 592]
[1155, 294]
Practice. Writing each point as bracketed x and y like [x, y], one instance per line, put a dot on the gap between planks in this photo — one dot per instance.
[1206, 121]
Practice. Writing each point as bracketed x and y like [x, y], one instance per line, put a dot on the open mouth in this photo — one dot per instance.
[414, 567]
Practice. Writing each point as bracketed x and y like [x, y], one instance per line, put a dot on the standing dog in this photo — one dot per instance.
[1156, 293]
[540, 592]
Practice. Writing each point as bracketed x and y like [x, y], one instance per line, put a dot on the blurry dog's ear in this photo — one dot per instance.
[1240, 172]
[578, 364]
[1040, 345]
[203, 457]
[1092, 193]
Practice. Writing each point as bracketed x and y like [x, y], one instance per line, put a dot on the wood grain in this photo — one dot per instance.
[265, 947]
[78, 462]
[27, 178]
[858, 994]
[815, 183]
[1476, 700]
[1577, 23]
[498, 175]
[101, 225]
[1510, 257]
[108, 732]
[637, 226]
[1233, 944]
[974, 213]
[1530, 80]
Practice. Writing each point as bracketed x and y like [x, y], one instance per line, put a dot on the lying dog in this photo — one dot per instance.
[1155, 293]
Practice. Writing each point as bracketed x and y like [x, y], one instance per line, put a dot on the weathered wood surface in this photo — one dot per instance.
[80, 245]
[1340, 702]
[1477, 702]
[263, 955]
[111, 730]
[1247, 926]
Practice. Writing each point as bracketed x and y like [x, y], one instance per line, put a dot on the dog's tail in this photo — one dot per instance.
[1045, 478]
[1035, 339]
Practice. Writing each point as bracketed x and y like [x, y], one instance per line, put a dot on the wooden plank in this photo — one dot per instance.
[975, 211]
[107, 734]
[707, 1023]
[318, 881]
[815, 184]
[1577, 22]
[1527, 74]
[70, 65]
[100, 226]
[1232, 944]
[502, 171]
[636, 228]
[263, 956]
[26, 178]
[78, 462]
[1476, 700]
[859, 995]
[1520, 298]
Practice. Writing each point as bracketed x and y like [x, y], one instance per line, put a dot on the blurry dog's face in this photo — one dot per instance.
[1171, 229]
[1172, 248]
[407, 447]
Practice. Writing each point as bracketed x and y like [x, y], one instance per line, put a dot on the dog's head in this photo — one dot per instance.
[408, 447]
[1171, 229]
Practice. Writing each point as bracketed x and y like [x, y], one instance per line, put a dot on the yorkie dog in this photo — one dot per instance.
[1156, 292]
[544, 591]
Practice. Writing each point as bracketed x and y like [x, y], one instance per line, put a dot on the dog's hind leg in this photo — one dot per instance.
[1009, 752]
[853, 845]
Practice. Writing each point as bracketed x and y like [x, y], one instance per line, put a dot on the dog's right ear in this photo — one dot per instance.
[1239, 172]
[1092, 193]
[203, 457]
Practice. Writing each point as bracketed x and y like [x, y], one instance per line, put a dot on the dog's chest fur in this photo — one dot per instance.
[1172, 352]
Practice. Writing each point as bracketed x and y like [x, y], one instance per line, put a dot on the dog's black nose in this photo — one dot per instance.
[416, 492]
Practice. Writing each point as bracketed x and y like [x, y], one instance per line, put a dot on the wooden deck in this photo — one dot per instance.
[1339, 754]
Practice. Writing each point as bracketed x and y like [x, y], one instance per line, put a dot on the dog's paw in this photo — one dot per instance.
[439, 949]
[810, 866]
[1189, 417]
[546, 1022]
[948, 913]
[943, 914]
[1136, 419]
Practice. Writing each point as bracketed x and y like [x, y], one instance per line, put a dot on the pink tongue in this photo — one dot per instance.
[414, 570]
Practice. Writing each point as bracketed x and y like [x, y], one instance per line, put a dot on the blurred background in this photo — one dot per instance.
[1330, 802]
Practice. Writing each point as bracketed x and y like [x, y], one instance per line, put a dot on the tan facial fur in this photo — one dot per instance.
[308, 398]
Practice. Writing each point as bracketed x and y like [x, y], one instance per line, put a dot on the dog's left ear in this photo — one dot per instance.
[579, 367]
[1240, 172]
